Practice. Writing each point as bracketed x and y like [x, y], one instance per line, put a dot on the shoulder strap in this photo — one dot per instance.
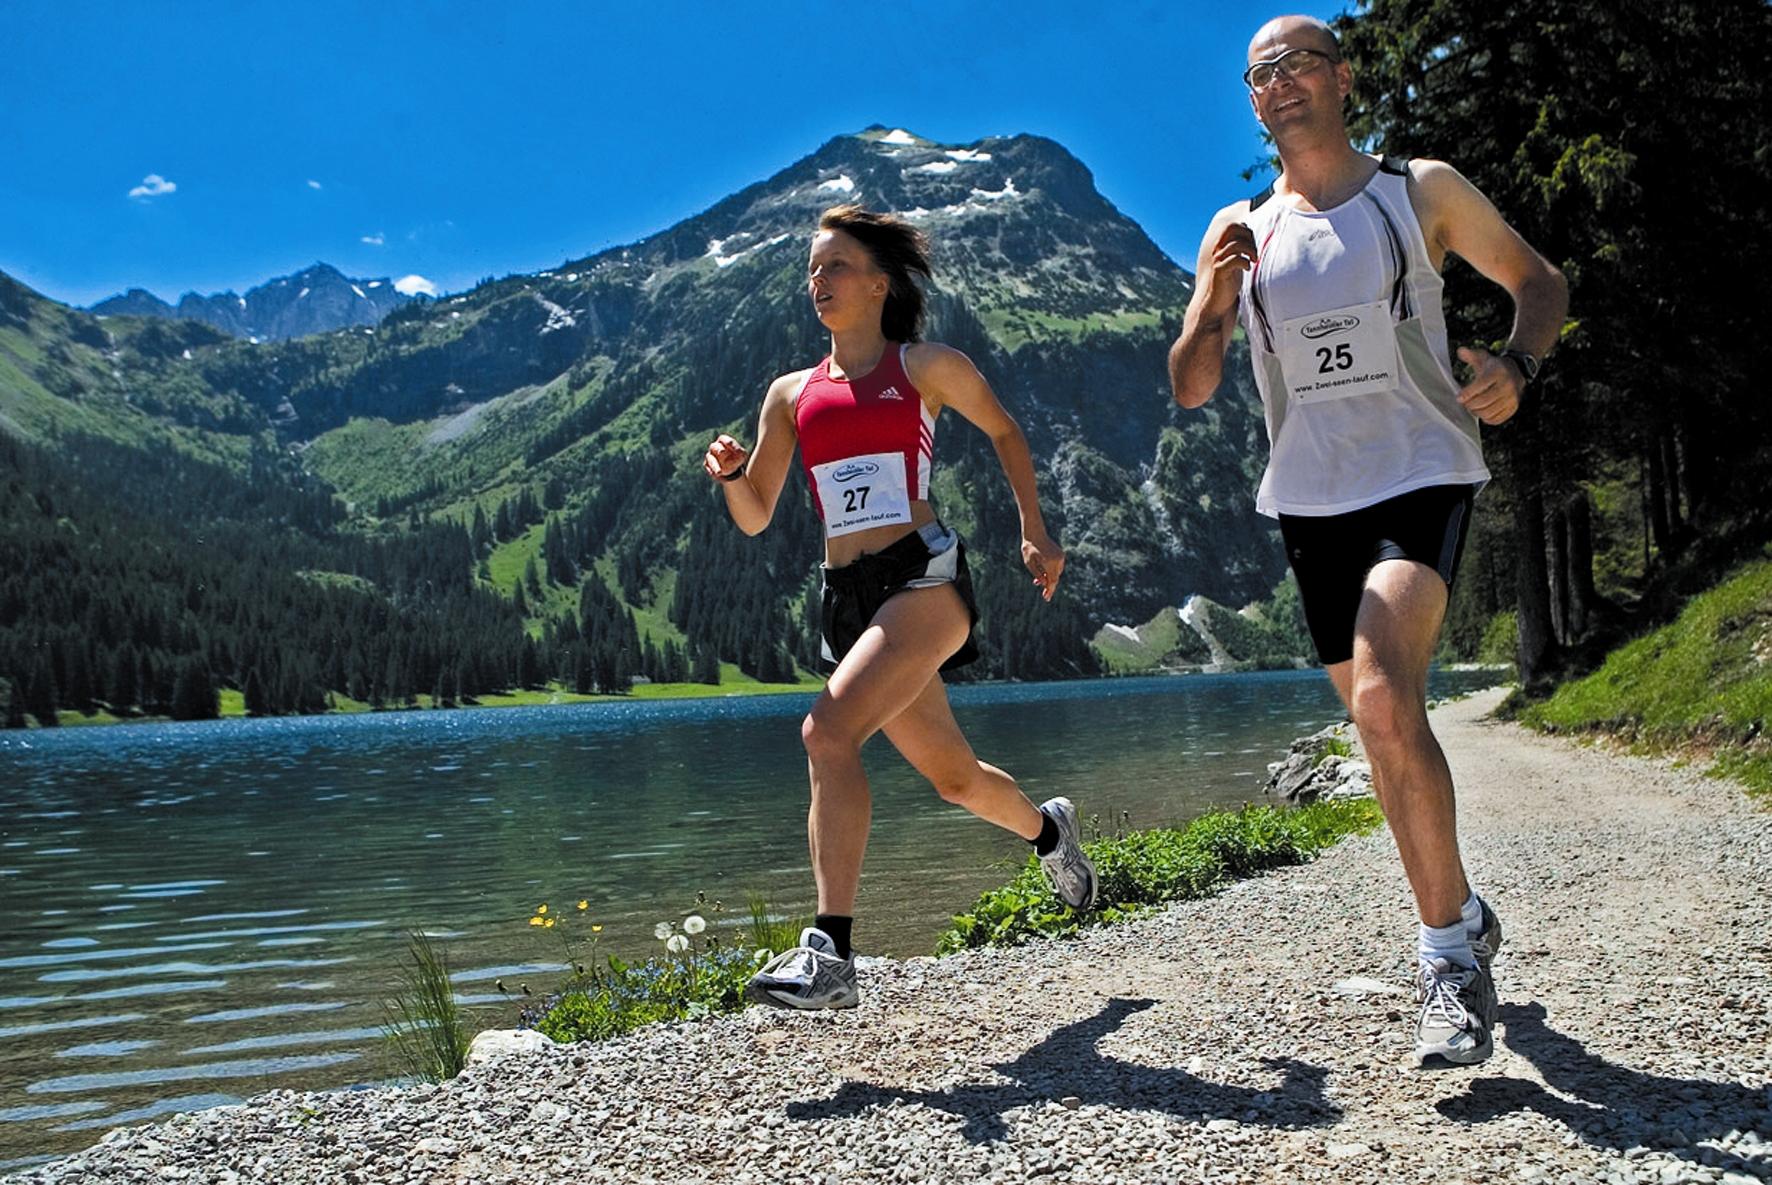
[1397, 166]
[1255, 202]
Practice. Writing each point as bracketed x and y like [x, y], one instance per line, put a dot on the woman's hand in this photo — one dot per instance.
[1045, 559]
[724, 457]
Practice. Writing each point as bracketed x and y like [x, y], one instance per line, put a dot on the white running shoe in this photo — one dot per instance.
[808, 976]
[1457, 1008]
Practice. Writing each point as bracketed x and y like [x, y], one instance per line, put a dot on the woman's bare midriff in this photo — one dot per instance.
[845, 549]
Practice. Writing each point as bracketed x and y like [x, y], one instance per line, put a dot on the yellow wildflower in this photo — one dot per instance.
[584, 905]
[542, 908]
[596, 929]
[536, 921]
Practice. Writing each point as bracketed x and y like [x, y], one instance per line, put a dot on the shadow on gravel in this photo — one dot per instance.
[1068, 1064]
[1611, 1106]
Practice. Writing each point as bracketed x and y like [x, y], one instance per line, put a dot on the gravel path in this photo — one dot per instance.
[1258, 1036]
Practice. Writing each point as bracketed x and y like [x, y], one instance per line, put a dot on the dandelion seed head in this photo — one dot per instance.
[661, 931]
[677, 944]
[694, 924]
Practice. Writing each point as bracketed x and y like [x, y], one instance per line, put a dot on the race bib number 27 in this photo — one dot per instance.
[1340, 353]
[861, 492]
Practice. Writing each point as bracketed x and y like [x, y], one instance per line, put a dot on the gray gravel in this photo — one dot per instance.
[1258, 1036]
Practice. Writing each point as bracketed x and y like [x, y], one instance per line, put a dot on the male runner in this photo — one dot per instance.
[1374, 447]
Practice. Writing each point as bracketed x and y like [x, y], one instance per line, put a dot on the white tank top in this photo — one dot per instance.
[1348, 339]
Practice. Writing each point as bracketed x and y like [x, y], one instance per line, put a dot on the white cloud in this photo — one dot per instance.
[313, 184]
[414, 285]
[376, 239]
[153, 185]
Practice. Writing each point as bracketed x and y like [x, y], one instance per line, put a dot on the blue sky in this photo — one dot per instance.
[455, 141]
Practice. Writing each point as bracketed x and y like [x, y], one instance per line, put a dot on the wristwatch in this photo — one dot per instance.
[1526, 362]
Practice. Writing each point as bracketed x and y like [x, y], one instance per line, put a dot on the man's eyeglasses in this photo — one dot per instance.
[1294, 63]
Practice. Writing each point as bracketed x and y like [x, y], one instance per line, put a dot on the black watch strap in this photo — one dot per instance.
[1526, 362]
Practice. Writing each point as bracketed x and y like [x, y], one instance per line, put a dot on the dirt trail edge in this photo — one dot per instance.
[1258, 1036]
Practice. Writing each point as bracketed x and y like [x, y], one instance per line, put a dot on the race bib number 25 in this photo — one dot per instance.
[861, 492]
[1340, 353]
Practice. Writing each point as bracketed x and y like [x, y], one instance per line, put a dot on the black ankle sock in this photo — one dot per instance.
[1048, 837]
[838, 927]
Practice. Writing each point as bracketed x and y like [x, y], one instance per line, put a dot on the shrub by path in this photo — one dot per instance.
[1261, 1035]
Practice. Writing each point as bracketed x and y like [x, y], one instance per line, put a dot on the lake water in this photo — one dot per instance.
[194, 913]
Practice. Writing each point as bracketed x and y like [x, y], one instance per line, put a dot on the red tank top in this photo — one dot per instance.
[881, 412]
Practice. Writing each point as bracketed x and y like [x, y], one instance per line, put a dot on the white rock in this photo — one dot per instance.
[499, 1043]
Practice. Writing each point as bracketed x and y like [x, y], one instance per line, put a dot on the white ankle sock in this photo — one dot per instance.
[1473, 914]
[1451, 943]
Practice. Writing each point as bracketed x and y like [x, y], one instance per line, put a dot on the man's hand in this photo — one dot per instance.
[1045, 559]
[1493, 394]
[1232, 255]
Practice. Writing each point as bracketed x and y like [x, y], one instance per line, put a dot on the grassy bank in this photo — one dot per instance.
[1144, 869]
[1139, 870]
[1702, 685]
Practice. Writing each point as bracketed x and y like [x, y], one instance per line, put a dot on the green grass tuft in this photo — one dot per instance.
[422, 1024]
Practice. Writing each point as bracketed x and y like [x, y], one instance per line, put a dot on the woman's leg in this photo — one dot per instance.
[887, 670]
[929, 737]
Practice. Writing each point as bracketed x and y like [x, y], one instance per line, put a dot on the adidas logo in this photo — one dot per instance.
[891, 393]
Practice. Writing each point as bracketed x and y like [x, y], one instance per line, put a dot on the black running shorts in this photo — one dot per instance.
[1332, 554]
[929, 556]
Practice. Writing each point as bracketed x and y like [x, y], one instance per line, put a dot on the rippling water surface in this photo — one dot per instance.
[193, 913]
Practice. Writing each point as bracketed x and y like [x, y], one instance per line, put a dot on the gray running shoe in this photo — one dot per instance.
[1457, 1009]
[1070, 873]
[808, 976]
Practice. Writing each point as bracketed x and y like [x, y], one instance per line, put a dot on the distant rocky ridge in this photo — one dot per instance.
[317, 299]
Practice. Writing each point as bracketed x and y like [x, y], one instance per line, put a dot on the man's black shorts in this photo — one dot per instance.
[1332, 554]
[929, 556]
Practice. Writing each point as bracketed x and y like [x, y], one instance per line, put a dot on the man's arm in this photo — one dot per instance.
[1196, 360]
[1460, 220]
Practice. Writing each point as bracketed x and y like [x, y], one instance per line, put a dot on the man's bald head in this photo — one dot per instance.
[1294, 32]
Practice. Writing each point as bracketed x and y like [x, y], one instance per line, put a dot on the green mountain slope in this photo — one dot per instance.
[578, 399]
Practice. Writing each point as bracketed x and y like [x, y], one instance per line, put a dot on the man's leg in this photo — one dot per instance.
[1385, 686]
[1385, 689]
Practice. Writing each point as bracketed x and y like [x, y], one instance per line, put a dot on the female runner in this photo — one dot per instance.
[898, 605]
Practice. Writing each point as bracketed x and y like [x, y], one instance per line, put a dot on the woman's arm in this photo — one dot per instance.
[751, 497]
[948, 377]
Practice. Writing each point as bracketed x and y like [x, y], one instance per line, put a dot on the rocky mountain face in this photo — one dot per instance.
[605, 376]
[318, 299]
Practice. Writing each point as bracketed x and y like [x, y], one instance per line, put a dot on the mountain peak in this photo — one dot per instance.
[317, 299]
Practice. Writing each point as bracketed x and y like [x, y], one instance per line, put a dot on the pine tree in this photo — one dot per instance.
[194, 695]
[257, 702]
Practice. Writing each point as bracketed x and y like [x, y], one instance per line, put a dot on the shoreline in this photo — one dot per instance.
[1195, 1041]
[72, 720]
